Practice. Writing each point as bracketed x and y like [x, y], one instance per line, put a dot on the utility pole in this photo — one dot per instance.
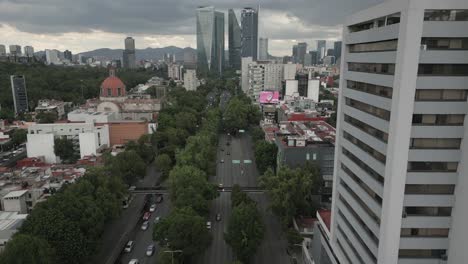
[172, 253]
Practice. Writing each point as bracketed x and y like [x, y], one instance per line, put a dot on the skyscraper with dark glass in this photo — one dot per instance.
[337, 49]
[210, 40]
[234, 41]
[321, 49]
[249, 21]
[20, 96]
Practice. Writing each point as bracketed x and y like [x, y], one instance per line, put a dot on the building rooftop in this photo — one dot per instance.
[14, 194]
[325, 217]
[308, 132]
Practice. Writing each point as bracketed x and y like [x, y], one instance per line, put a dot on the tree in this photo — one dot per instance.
[238, 196]
[27, 249]
[332, 119]
[184, 230]
[19, 136]
[245, 231]
[183, 177]
[293, 237]
[265, 155]
[65, 149]
[291, 190]
[46, 117]
[236, 115]
[199, 152]
[166, 257]
[128, 165]
[164, 164]
[257, 134]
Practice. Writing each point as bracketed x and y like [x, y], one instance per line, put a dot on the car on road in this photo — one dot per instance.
[134, 261]
[218, 217]
[159, 199]
[152, 208]
[145, 225]
[221, 161]
[146, 216]
[208, 225]
[157, 219]
[150, 250]
[220, 186]
[129, 246]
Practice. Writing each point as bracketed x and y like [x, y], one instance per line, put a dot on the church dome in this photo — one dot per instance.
[112, 86]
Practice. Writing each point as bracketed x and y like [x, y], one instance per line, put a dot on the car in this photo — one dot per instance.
[134, 261]
[218, 217]
[129, 246]
[157, 219]
[221, 161]
[145, 225]
[132, 188]
[159, 199]
[220, 185]
[208, 225]
[152, 208]
[146, 216]
[150, 250]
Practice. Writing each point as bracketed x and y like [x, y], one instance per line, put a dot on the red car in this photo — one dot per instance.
[146, 216]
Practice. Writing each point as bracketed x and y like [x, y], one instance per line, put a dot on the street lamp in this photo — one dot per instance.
[172, 253]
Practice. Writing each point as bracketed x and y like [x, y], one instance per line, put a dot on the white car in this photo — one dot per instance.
[134, 261]
[150, 250]
[157, 219]
[145, 225]
[129, 246]
[152, 208]
[208, 225]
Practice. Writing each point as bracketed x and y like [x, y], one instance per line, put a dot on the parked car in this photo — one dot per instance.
[221, 161]
[129, 246]
[220, 185]
[150, 250]
[152, 208]
[134, 261]
[146, 216]
[208, 225]
[145, 225]
[218, 217]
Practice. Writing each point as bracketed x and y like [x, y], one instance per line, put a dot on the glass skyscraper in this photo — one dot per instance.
[234, 41]
[249, 21]
[210, 40]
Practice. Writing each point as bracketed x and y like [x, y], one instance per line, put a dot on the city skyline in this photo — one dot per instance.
[283, 28]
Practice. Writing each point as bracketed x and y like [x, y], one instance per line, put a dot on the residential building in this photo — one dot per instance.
[15, 201]
[329, 60]
[10, 223]
[235, 42]
[308, 59]
[28, 51]
[321, 49]
[288, 59]
[174, 71]
[15, 50]
[263, 49]
[90, 138]
[52, 57]
[19, 92]
[2, 50]
[337, 49]
[263, 76]
[401, 157]
[249, 35]
[245, 73]
[68, 55]
[301, 51]
[289, 72]
[190, 80]
[210, 40]
[128, 57]
[51, 106]
[299, 108]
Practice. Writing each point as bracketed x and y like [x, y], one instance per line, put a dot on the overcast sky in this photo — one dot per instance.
[82, 25]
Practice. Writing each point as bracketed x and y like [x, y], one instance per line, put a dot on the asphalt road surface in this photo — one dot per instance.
[230, 172]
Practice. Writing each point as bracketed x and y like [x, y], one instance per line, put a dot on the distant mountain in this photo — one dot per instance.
[141, 54]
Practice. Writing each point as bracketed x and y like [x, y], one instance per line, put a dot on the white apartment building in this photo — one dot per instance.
[264, 76]
[190, 80]
[174, 71]
[400, 180]
[90, 137]
[245, 61]
[52, 57]
[28, 51]
[290, 71]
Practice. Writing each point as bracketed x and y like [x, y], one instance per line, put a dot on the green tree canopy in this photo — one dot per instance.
[164, 164]
[65, 149]
[27, 249]
[46, 117]
[128, 165]
[19, 136]
[265, 155]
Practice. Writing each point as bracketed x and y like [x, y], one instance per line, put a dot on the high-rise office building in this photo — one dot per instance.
[301, 51]
[337, 49]
[2, 50]
[330, 52]
[400, 186]
[295, 56]
[15, 50]
[321, 49]
[210, 40]
[263, 49]
[52, 56]
[28, 51]
[129, 59]
[249, 22]
[20, 96]
[68, 55]
[313, 57]
[235, 43]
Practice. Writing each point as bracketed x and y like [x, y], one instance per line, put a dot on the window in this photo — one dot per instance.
[435, 143]
[429, 189]
[109, 92]
[421, 253]
[376, 23]
[119, 92]
[421, 166]
[446, 15]
[358, 218]
[440, 95]
[380, 68]
[388, 45]
[366, 148]
[366, 128]
[424, 232]
[438, 120]
[372, 110]
[443, 70]
[350, 245]
[445, 43]
[427, 211]
[370, 88]
[363, 166]
[361, 203]
[363, 185]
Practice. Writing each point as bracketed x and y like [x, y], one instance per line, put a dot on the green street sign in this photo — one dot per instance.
[247, 161]
[235, 161]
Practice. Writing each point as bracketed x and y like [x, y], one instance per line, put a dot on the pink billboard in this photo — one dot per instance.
[269, 97]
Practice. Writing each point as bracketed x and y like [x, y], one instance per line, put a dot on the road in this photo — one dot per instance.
[273, 248]
[127, 225]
